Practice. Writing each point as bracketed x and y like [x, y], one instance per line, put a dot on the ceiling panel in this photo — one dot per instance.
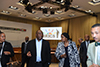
[39, 16]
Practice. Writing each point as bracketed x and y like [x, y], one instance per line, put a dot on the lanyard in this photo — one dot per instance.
[2, 49]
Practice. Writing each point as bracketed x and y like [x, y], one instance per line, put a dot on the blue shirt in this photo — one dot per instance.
[38, 50]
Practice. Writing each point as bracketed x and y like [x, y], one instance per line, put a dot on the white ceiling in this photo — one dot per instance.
[84, 5]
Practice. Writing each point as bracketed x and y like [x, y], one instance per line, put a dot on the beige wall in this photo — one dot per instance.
[35, 25]
[76, 27]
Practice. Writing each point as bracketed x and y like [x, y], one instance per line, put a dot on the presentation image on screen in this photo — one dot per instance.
[51, 33]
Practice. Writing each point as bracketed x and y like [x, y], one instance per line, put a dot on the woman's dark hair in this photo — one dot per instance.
[1, 32]
[66, 35]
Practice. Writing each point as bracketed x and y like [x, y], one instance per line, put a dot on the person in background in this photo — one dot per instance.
[83, 50]
[6, 50]
[38, 51]
[80, 40]
[67, 53]
[23, 50]
[93, 52]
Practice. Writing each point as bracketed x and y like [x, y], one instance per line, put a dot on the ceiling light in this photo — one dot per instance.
[37, 17]
[96, 0]
[76, 6]
[42, 7]
[88, 11]
[71, 15]
[47, 15]
[33, 12]
[58, 1]
[5, 12]
[59, 18]
[20, 1]
[59, 12]
[23, 15]
[12, 7]
[50, 7]
[94, 3]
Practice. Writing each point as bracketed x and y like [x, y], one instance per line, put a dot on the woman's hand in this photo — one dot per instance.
[63, 56]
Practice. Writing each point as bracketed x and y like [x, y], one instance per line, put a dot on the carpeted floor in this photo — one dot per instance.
[53, 65]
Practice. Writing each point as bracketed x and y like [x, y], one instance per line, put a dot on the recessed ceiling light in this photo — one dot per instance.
[96, 0]
[47, 15]
[13, 7]
[76, 6]
[94, 3]
[71, 15]
[37, 17]
[50, 7]
[59, 18]
[59, 12]
[20, 3]
[33, 12]
[22, 15]
[89, 11]
[49, 20]
[5, 12]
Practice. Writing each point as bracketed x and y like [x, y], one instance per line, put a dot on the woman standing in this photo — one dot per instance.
[67, 52]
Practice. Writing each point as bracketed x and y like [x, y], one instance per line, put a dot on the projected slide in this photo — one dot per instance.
[52, 33]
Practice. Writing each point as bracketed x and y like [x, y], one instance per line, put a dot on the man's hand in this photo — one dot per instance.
[63, 56]
[7, 53]
[29, 54]
[94, 65]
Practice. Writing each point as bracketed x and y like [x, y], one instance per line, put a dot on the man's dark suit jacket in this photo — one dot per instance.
[83, 51]
[6, 58]
[45, 53]
[23, 48]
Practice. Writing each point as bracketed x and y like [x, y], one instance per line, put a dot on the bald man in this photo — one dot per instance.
[83, 50]
[24, 46]
[38, 51]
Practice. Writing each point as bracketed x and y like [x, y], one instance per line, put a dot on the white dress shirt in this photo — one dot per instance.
[38, 50]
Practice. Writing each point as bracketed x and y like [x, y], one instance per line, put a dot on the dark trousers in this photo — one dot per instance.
[84, 64]
[24, 60]
[38, 65]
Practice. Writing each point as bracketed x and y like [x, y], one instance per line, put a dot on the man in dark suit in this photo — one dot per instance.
[83, 50]
[23, 49]
[38, 51]
[6, 50]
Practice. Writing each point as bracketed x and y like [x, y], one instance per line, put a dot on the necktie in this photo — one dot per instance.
[96, 43]
[25, 48]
